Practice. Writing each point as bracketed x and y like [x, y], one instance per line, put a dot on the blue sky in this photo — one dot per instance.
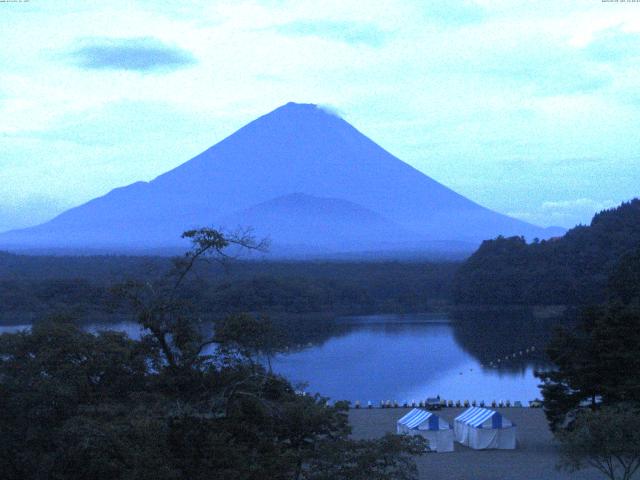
[530, 108]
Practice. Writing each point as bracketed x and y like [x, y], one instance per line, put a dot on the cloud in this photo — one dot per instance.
[578, 204]
[613, 45]
[566, 212]
[454, 13]
[457, 89]
[331, 110]
[347, 32]
[138, 54]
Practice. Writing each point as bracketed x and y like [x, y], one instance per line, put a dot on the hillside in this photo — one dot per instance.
[573, 269]
[296, 149]
[328, 223]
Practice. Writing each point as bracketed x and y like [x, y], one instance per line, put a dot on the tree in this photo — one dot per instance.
[161, 311]
[576, 376]
[599, 362]
[607, 439]
[74, 405]
[248, 338]
[388, 458]
[572, 269]
[592, 396]
[63, 395]
[624, 283]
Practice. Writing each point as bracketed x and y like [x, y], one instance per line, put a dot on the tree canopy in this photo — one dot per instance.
[573, 269]
[607, 440]
[76, 405]
[592, 395]
[598, 362]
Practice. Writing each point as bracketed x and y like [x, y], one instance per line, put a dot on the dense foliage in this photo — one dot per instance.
[32, 286]
[592, 396]
[573, 269]
[607, 440]
[598, 363]
[74, 405]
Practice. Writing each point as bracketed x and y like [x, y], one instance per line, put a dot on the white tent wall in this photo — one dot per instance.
[480, 428]
[439, 440]
[460, 432]
[432, 428]
[489, 438]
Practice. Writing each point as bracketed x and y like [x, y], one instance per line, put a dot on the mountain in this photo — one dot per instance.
[352, 190]
[573, 269]
[329, 223]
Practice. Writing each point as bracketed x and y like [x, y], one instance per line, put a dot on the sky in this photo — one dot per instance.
[529, 108]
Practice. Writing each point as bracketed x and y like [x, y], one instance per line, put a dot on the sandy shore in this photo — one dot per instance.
[534, 459]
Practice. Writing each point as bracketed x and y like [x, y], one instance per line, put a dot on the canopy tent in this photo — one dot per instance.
[435, 430]
[481, 428]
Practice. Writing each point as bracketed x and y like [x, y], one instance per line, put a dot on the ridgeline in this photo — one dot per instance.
[573, 269]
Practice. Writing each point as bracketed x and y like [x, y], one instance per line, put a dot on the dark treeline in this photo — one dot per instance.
[34, 285]
[573, 269]
[592, 393]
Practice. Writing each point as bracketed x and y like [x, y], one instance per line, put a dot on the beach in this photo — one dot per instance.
[535, 457]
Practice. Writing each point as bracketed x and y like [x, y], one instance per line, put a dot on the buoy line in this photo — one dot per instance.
[496, 363]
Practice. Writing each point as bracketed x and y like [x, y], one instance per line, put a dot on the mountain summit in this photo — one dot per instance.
[300, 175]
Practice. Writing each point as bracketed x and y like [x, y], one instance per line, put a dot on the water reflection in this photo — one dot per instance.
[409, 357]
[412, 357]
[511, 339]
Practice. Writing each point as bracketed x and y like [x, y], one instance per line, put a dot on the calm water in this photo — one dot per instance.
[406, 358]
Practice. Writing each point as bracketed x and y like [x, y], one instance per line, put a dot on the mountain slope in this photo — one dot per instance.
[304, 221]
[295, 148]
[573, 269]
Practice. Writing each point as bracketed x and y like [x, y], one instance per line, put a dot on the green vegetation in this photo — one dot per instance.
[79, 406]
[597, 363]
[607, 439]
[31, 286]
[573, 269]
[592, 397]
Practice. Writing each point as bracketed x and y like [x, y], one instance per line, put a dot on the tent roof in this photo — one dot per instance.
[476, 416]
[417, 417]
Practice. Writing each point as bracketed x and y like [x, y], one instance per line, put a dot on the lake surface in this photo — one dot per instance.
[405, 359]
[411, 357]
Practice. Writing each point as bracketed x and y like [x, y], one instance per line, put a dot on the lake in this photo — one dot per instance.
[406, 358]
[412, 357]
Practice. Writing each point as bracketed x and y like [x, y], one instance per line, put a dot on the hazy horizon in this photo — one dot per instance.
[529, 110]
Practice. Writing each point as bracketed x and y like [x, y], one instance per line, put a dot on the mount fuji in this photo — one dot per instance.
[299, 175]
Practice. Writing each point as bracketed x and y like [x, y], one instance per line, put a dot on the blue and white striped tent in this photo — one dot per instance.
[481, 428]
[434, 429]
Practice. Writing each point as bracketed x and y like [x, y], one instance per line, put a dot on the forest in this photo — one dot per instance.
[569, 270]
[33, 286]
